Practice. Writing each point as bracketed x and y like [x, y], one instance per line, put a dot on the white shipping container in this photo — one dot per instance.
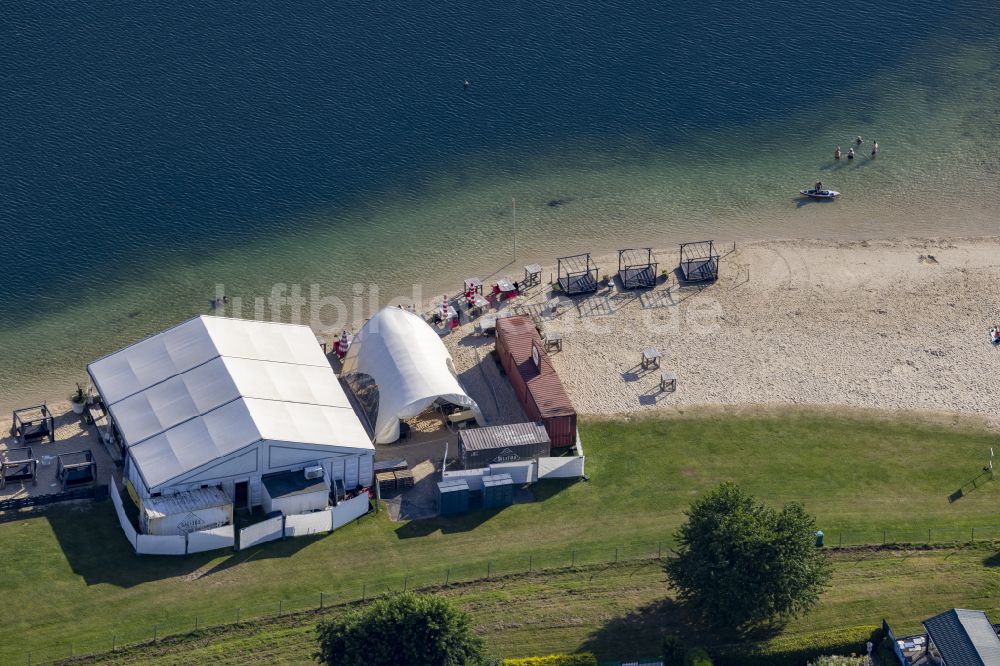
[186, 512]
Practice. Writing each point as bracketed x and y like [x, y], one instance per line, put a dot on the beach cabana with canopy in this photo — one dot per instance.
[398, 367]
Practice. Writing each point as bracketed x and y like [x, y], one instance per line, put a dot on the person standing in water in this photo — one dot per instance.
[874, 148]
[465, 85]
[836, 153]
[850, 154]
[859, 140]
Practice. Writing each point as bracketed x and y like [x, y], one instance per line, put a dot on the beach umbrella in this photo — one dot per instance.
[444, 307]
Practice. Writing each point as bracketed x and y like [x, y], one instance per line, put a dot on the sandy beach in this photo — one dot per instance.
[885, 325]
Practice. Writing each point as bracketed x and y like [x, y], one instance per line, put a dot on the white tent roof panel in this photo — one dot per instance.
[152, 360]
[410, 365]
[174, 401]
[308, 384]
[212, 386]
[265, 341]
[308, 424]
[194, 443]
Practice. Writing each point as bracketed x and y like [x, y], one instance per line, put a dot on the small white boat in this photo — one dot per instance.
[813, 193]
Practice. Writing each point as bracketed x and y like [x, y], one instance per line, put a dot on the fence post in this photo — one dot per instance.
[237, 615]
[321, 600]
[489, 566]
[883, 537]
[279, 606]
[973, 533]
[406, 579]
[447, 576]
[616, 555]
[840, 539]
[530, 562]
[573, 561]
[928, 535]
[196, 623]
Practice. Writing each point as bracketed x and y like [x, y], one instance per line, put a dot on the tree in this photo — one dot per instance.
[404, 629]
[740, 563]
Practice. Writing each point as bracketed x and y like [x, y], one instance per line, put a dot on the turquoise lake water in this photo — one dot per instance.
[152, 152]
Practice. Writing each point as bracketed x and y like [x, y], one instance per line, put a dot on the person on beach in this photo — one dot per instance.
[850, 154]
[836, 153]
[874, 148]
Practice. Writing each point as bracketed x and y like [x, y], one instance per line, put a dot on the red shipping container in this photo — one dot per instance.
[534, 380]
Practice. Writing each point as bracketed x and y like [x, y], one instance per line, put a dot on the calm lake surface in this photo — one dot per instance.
[154, 151]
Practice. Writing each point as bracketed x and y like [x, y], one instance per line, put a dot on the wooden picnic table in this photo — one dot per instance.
[474, 284]
[650, 356]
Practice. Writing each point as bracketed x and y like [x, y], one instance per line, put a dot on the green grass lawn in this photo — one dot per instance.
[75, 580]
[621, 611]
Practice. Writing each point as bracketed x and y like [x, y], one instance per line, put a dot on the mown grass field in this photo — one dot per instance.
[76, 582]
[620, 611]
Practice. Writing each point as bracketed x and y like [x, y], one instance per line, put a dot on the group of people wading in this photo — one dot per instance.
[850, 153]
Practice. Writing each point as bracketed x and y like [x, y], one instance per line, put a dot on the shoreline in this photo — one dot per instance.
[607, 263]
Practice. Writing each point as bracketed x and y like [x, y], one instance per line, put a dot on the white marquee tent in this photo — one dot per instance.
[409, 364]
[217, 401]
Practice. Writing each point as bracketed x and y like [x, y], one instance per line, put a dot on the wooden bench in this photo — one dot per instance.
[461, 417]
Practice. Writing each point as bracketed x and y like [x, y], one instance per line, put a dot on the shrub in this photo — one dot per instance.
[795, 650]
[405, 629]
[836, 660]
[697, 657]
[576, 659]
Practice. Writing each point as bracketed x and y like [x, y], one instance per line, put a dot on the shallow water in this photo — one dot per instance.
[153, 152]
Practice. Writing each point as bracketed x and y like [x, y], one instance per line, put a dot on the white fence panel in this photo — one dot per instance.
[308, 523]
[218, 537]
[174, 544]
[350, 510]
[474, 477]
[564, 467]
[126, 524]
[520, 472]
[268, 530]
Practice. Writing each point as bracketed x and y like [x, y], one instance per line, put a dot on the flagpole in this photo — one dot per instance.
[513, 203]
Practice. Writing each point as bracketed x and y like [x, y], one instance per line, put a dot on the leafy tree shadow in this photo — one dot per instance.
[639, 634]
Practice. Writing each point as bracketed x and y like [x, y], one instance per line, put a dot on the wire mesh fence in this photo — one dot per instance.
[168, 625]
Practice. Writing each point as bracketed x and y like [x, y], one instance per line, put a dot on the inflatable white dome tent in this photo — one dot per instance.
[409, 366]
